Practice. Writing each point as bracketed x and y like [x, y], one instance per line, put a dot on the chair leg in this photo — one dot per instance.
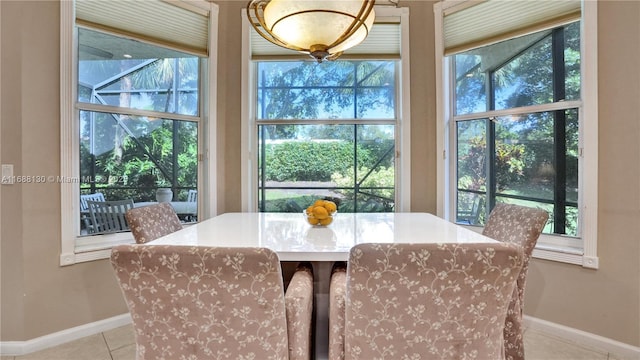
[299, 307]
[337, 298]
[513, 330]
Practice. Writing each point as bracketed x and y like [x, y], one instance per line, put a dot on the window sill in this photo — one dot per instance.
[558, 253]
[557, 248]
[90, 248]
[97, 247]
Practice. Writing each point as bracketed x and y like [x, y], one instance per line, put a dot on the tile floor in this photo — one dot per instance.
[118, 344]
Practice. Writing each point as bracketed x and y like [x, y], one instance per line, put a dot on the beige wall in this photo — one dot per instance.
[39, 297]
[606, 301]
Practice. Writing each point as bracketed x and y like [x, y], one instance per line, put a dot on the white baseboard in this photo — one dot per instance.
[17, 348]
[583, 338]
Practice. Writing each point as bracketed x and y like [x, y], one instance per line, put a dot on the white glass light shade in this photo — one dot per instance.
[358, 36]
[321, 28]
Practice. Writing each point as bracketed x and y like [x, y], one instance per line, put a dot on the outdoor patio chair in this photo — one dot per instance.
[471, 216]
[90, 197]
[108, 216]
[192, 196]
[84, 209]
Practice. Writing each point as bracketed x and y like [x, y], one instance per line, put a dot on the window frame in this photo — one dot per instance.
[582, 250]
[402, 122]
[99, 246]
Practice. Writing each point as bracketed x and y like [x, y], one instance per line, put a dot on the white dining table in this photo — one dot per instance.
[293, 239]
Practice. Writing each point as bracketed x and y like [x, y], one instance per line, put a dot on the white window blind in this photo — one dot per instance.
[179, 24]
[383, 42]
[471, 24]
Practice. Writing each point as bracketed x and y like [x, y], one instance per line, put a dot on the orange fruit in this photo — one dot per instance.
[309, 210]
[320, 213]
[327, 221]
[313, 221]
[330, 206]
[318, 202]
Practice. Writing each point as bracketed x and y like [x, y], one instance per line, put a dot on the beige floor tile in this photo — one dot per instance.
[91, 347]
[539, 346]
[620, 357]
[120, 337]
[124, 353]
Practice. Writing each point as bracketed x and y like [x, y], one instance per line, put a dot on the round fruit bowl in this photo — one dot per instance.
[315, 221]
[320, 213]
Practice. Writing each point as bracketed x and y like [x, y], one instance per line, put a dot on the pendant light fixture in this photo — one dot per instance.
[322, 29]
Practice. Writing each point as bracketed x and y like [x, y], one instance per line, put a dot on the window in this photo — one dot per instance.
[331, 130]
[326, 130]
[125, 154]
[515, 124]
[530, 155]
[132, 118]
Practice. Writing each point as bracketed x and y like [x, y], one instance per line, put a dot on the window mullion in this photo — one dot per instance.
[263, 169]
[356, 185]
[559, 133]
[262, 141]
[326, 122]
[491, 145]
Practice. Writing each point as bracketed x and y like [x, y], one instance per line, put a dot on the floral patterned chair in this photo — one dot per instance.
[210, 302]
[151, 222]
[428, 301]
[522, 226]
[298, 300]
[337, 295]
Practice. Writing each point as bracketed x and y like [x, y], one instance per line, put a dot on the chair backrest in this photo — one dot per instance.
[519, 225]
[151, 222]
[436, 301]
[108, 216]
[91, 197]
[192, 196]
[203, 302]
[516, 224]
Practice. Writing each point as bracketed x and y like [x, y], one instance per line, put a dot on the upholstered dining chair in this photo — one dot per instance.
[428, 301]
[522, 226]
[298, 300]
[190, 302]
[151, 222]
[337, 295]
